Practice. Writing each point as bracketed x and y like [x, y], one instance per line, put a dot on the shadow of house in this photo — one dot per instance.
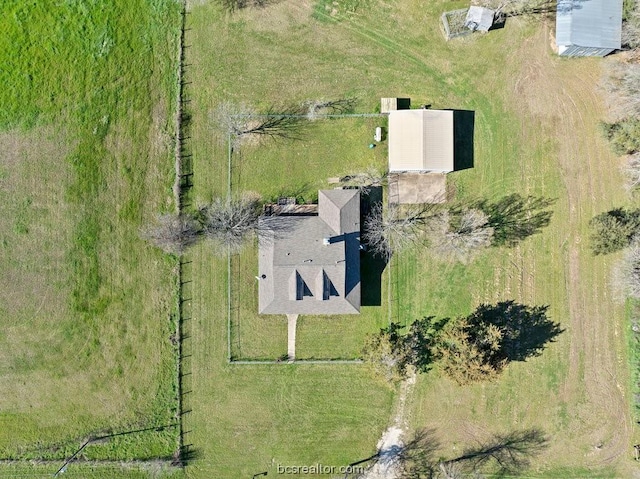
[463, 137]
[371, 266]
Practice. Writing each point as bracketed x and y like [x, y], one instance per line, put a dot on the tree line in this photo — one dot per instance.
[226, 223]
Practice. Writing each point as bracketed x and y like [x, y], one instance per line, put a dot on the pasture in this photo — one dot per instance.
[87, 309]
[535, 134]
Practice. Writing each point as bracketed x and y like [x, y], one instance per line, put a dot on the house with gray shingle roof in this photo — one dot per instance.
[310, 264]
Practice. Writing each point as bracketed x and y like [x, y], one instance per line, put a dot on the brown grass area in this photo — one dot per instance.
[563, 96]
[577, 390]
[31, 208]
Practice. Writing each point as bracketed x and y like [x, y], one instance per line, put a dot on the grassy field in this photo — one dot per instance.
[86, 307]
[536, 133]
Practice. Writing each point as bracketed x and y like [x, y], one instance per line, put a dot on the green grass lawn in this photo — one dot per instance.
[536, 134]
[86, 308]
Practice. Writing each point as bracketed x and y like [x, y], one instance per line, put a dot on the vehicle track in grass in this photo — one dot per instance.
[563, 92]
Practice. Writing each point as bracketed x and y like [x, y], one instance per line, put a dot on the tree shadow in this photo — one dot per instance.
[371, 265]
[506, 454]
[515, 217]
[186, 455]
[234, 5]
[525, 330]
[418, 456]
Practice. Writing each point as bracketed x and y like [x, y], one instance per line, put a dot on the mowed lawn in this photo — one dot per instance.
[536, 133]
[86, 307]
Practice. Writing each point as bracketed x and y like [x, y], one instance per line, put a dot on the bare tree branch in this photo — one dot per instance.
[172, 233]
[365, 180]
[397, 228]
[622, 84]
[243, 122]
[229, 223]
[514, 8]
[632, 171]
[463, 236]
[317, 108]
[233, 5]
[626, 274]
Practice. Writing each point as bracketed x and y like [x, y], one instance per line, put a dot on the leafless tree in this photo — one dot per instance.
[317, 108]
[622, 84]
[519, 7]
[463, 236]
[396, 228]
[626, 274]
[172, 233]
[233, 5]
[242, 122]
[632, 171]
[365, 180]
[631, 29]
[228, 223]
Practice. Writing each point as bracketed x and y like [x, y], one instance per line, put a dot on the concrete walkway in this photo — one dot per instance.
[292, 320]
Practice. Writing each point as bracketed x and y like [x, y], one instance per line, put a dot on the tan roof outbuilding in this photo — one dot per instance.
[421, 140]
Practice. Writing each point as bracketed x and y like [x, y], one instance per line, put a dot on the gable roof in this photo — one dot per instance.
[589, 23]
[311, 264]
[421, 140]
[479, 18]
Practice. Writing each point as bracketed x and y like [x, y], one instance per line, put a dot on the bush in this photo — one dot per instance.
[613, 230]
[623, 135]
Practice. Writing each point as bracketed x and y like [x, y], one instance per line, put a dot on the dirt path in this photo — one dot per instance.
[391, 441]
[562, 93]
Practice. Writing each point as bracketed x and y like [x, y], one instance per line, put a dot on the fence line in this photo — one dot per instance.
[296, 361]
[181, 186]
[315, 116]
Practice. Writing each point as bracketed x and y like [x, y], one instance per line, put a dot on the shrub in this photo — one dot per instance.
[613, 230]
[623, 135]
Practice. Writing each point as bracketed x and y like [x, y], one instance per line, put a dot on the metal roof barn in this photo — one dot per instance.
[588, 27]
[421, 140]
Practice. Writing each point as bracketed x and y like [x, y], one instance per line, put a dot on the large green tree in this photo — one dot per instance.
[469, 349]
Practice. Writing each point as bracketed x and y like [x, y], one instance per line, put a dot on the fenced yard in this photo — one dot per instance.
[298, 168]
[453, 23]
